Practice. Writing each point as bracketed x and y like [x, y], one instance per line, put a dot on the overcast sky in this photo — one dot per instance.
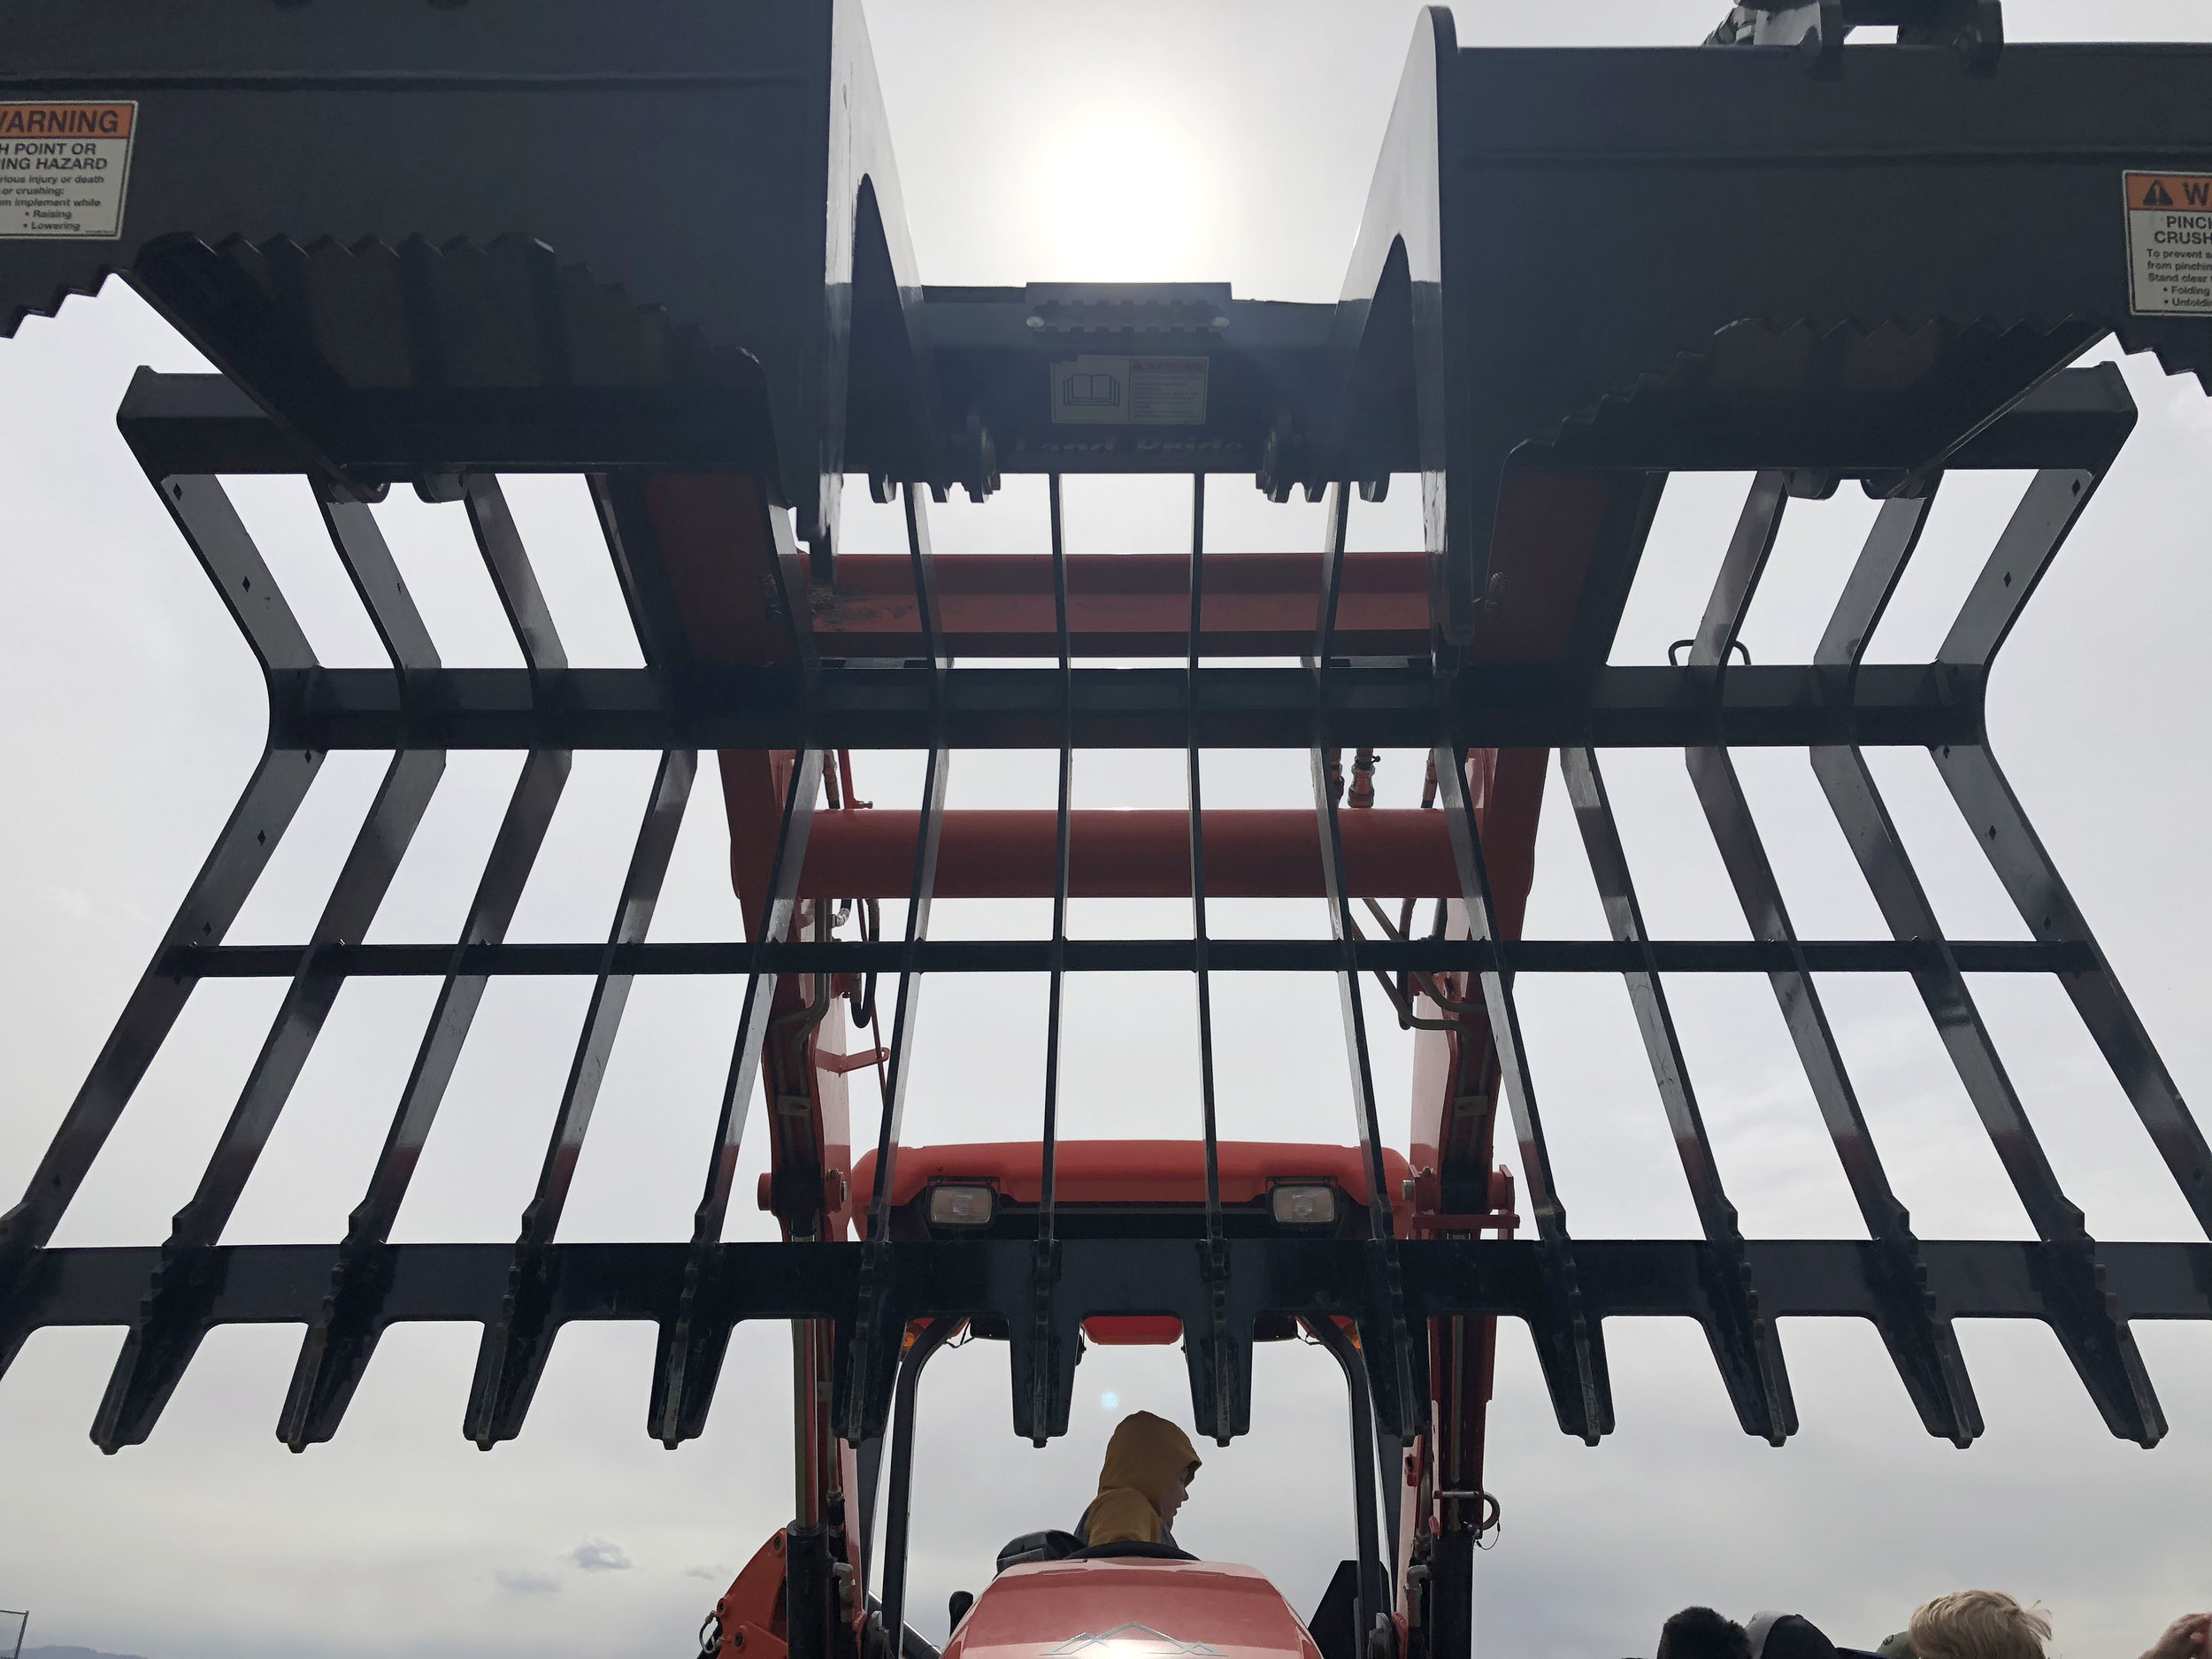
[1049, 141]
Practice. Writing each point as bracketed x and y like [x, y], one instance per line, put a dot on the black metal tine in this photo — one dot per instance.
[692, 1339]
[410, 780]
[936, 776]
[1880, 851]
[690, 1357]
[1746, 1345]
[906, 1007]
[634, 918]
[2080, 1312]
[1866, 823]
[2031, 539]
[1047, 1192]
[175, 1314]
[1340, 922]
[522, 830]
[2101, 1347]
[210, 525]
[872, 1358]
[375, 575]
[1228, 1390]
[2018, 855]
[2047, 513]
[1748, 550]
[1338, 509]
[513, 1352]
[1199, 931]
[922, 560]
[1570, 1344]
[1922, 1344]
[338, 1344]
[1045, 1264]
[1874, 578]
[1500, 1005]
[265, 811]
[1387, 1350]
[218, 538]
[509, 563]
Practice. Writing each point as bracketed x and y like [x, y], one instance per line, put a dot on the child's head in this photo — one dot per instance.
[1977, 1624]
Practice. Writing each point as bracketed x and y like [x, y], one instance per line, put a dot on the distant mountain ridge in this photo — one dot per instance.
[73, 1653]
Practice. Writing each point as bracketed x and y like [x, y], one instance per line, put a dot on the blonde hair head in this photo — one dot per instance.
[1977, 1624]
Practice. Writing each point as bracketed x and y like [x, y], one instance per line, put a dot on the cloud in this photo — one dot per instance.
[596, 1555]
[71, 901]
[2191, 408]
[706, 1572]
[522, 1581]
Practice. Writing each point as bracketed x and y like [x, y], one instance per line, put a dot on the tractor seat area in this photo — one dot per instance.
[1031, 1547]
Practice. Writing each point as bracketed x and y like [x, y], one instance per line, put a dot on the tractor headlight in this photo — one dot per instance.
[960, 1205]
[1302, 1206]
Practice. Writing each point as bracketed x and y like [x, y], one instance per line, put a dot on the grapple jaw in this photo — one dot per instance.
[1707, 259]
[537, 237]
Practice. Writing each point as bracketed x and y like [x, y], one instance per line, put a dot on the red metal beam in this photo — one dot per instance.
[1127, 604]
[1388, 853]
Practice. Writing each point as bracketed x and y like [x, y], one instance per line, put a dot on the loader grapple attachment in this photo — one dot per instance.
[425, 254]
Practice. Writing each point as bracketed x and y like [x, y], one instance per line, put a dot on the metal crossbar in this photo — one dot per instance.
[187, 962]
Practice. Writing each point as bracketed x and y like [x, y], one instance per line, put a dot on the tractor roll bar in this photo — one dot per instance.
[1374, 1599]
[891, 1590]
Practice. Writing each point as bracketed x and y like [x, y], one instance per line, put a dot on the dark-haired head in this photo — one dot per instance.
[1699, 1632]
[1788, 1636]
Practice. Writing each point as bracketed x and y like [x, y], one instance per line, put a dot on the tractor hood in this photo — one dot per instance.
[1130, 1609]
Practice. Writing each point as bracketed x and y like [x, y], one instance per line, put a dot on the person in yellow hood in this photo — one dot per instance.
[1146, 1476]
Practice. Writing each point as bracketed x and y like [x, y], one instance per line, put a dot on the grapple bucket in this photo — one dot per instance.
[661, 245]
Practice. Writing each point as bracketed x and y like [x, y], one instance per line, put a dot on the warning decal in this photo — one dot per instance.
[2169, 243]
[1130, 392]
[64, 168]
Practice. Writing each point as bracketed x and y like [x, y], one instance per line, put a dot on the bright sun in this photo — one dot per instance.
[1118, 199]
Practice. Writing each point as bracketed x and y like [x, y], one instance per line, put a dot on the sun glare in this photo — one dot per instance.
[1119, 199]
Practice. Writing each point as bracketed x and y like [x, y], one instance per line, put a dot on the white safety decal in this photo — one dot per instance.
[64, 168]
[2169, 243]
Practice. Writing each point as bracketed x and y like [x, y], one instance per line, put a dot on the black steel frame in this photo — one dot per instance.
[345, 1294]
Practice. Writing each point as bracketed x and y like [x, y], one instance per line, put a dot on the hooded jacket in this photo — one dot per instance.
[1142, 1460]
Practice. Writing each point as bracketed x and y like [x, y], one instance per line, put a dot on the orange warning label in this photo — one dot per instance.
[2169, 243]
[2168, 190]
[67, 120]
[63, 169]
